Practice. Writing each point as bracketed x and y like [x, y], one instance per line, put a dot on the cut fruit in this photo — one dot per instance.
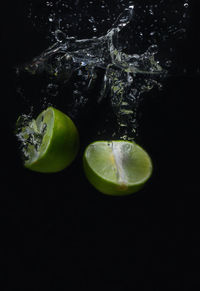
[51, 142]
[117, 167]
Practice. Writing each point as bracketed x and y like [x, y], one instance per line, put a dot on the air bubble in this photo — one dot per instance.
[51, 19]
[60, 36]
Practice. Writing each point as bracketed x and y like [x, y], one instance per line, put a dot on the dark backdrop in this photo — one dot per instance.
[57, 230]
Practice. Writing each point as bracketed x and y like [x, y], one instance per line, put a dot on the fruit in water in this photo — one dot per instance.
[59, 142]
[117, 167]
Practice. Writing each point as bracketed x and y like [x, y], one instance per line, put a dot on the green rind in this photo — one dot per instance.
[62, 148]
[110, 188]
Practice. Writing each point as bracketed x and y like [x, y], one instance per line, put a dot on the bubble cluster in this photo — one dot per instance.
[29, 135]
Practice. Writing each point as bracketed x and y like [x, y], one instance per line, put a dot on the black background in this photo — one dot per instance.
[56, 230]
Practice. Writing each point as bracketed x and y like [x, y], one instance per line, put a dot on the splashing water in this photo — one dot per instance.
[30, 135]
[128, 54]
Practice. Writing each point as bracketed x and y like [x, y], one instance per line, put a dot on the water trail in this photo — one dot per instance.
[130, 69]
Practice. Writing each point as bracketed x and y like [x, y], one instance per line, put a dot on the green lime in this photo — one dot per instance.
[117, 167]
[51, 142]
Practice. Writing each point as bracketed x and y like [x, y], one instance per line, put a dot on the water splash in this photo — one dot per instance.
[130, 55]
[29, 135]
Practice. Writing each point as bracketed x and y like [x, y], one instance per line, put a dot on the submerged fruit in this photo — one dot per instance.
[51, 141]
[117, 167]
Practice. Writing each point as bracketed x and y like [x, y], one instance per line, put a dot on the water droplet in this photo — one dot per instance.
[91, 19]
[151, 12]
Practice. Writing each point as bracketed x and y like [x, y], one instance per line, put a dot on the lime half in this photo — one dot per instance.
[51, 141]
[117, 167]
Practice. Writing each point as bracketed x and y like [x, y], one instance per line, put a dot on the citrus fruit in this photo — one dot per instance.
[117, 167]
[51, 141]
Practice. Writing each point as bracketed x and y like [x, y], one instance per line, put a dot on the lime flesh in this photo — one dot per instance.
[59, 144]
[117, 167]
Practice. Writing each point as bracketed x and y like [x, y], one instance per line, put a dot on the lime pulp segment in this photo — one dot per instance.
[117, 167]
